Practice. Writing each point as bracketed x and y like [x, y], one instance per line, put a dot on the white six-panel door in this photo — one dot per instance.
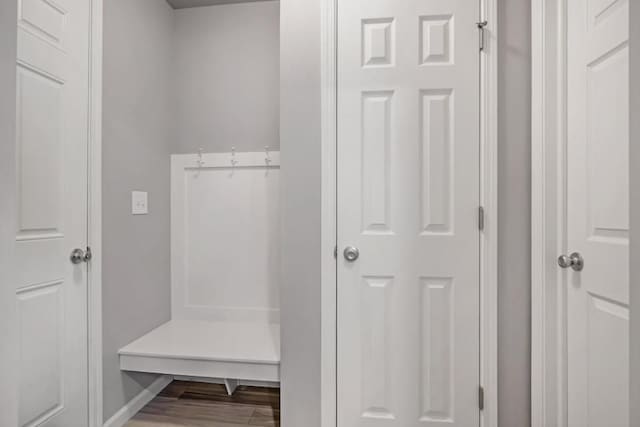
[598, 213]
[51, 293]
[408, 197]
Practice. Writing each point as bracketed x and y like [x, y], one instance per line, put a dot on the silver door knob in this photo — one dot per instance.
[574, 261]
[79, 256]
[351, 253]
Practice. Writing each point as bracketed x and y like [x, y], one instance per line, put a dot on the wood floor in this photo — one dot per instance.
[187, 404]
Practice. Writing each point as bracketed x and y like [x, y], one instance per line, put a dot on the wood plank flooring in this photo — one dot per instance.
[188, 404]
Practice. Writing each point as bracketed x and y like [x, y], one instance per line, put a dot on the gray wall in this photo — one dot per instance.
[635, 212]
[136, 144]
[514, 211]
[300, 139]
[300, 144]
[8, 13]
[227, 77]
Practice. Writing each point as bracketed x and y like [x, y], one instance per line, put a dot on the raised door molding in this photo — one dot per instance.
[548, 228]
[489, 200]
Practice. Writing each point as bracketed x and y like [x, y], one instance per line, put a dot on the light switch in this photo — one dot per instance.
[139, 203]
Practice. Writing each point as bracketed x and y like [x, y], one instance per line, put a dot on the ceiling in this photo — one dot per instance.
[182, 4]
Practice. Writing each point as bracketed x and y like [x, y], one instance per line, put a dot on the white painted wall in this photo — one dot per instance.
[8, 356]
[226, 77]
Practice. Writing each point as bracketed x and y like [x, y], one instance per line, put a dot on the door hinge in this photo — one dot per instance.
[482, 27]
[481, 398]
[481, 218]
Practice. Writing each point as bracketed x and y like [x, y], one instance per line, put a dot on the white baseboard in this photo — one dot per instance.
[127, 412]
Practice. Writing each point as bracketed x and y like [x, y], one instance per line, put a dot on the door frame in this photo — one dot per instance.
[8, 220]
[488, 329]
[94, 229]
[548, 213]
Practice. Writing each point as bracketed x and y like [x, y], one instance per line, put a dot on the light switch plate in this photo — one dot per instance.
[139, 203]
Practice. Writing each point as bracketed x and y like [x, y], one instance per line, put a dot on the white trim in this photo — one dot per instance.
[94, 238]
[9, 358]
[548, 216]
[489, 199]
[127, 412]
[328, 321]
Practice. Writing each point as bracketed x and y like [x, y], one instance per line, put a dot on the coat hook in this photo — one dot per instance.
[200, 161]
[267, 158]
[234, 161]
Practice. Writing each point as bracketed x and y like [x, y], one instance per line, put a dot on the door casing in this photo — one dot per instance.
[488, 196]
[549, 231]
[548, 226]
[8, 213]
[95, 214]
[549, 213]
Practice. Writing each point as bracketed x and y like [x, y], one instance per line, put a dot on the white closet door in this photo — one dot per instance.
[51, 293]
[408, 197]
[598, 210]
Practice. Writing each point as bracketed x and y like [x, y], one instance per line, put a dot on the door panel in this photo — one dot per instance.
[51, 146]
[598, 212]
[408, 197]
